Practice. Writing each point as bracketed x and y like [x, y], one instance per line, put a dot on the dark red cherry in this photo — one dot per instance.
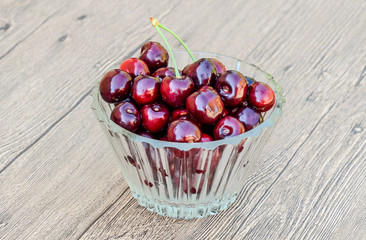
[135, 67]
[115, 86]
[233, 110]
[155, 117]
[183, 131]
[202, 72]
[174, 91]
[180, 113]
[205, 105]
[250, 80]
[165, 138]
[154, 55]
[220, 68]
[127, 116]
[164, 72]
[145, 89]
[249, 117]
[228, 127]
[206, 138]
[232, 87]
[146, 134]
[261, 96]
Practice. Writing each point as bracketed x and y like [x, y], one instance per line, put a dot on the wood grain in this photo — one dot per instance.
[58, 177]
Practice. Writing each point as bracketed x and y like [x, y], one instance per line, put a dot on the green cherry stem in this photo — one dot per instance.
[178, 38]
[155, 24]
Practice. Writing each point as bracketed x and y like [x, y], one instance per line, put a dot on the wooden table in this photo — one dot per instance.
[59, 178]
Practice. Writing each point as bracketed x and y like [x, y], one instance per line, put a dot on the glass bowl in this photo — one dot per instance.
[189, 180]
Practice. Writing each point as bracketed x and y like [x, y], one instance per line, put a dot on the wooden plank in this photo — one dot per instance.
[46, 77]
[67, 191]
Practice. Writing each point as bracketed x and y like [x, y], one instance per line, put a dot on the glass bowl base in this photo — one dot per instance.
[185, 211]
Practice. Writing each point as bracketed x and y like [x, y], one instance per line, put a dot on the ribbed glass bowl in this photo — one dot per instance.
[189, 180]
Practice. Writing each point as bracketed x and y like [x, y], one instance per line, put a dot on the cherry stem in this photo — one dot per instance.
[178, 38]
[155, 24]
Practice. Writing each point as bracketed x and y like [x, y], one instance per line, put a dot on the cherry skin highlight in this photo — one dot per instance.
[135, 67]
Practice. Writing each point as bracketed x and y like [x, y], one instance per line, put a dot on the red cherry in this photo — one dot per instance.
[261, 96]
[183, 131]
[127, 116]
[145, 89]
[174, 91]
[115, 86]
[249, 117]
[228, 127]
[165, 138]
[206, 138]
[154, 117]
[232, 87]
[202, 72]
[164, 72]
[205, 105]
[154, 55]
[182, 113]
[220, 68]
[135, 67]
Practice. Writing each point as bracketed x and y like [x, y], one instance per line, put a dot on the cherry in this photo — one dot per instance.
[206, 138]
[250, 80]
[135, 67]
[228, 127]
[127, 116]
[154, 55]
[261, 96]
[174, 91]
[205, 105]
[220, 68]
[165, 138]
[249, 117]
[154, 117]
[232, 87]
[145, 89]
[183, 131]
[182, 113]
[115, 86]
[202, 72]
[164, 72]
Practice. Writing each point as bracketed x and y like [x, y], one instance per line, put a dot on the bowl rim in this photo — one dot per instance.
[269, 122]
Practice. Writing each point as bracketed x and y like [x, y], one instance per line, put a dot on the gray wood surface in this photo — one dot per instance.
[59, 178]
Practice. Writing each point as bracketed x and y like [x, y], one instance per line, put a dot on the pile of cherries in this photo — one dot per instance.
[206, 103]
